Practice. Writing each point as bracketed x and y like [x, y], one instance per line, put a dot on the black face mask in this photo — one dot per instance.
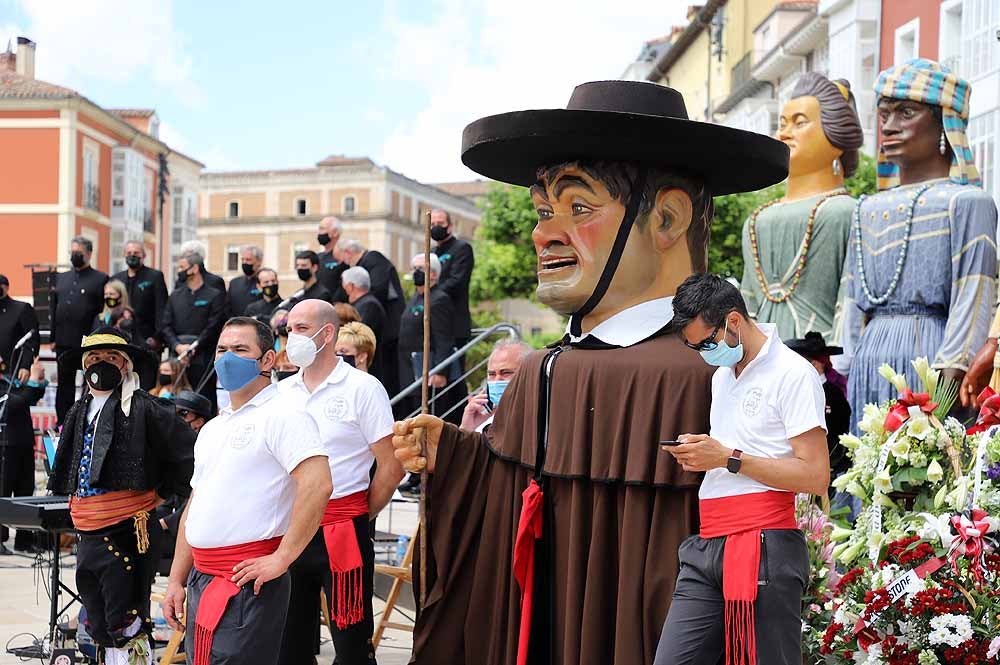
[182, 276]
[270, 291]
[350, 360]
[247, 269]
[133, 262]
[112, 302]
[103, 376]
[166, 379]
[3, 293]
[419, 278]
[284, 375]
[76, 258]
[323, 239]
[439, 233]
[305, 274]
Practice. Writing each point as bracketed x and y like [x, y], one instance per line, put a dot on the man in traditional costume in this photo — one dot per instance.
[739, 593]
[585, 574]
[922, 269]
[260, 484]
[352, 412]
[120, 454]
[794, 247]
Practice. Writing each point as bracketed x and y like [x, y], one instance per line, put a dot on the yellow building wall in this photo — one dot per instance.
[688, 76]
[362, 199]
[286, 202]
[252, 204]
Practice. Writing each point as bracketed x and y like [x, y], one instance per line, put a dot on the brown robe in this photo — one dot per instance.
[621, 508]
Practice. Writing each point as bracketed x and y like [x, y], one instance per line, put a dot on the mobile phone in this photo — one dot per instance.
[670, 442]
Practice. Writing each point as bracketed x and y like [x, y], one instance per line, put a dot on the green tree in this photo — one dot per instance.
[505, 255]
[725, 251]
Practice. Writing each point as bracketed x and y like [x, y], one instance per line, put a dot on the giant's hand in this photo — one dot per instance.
[978, 376]
[407, 438]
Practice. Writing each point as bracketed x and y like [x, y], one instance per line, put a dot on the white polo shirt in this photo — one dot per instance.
[242, 461]
[352, 411]
[777, 397]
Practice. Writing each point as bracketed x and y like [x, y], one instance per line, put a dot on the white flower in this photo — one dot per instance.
[849, 441]
[994, 648]
[934, 471]
[931, 381]
[888, 574]
[874, 540]
[873, 420]
[898, 381]
[919, 428]
[900, 448]
[883, 481]
[950, 629]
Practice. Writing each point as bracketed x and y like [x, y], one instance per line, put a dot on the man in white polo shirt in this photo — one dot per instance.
[260, 484]
[352, 411]
[749, 565]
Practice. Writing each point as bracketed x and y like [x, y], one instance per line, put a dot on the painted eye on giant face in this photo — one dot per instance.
[580, 209]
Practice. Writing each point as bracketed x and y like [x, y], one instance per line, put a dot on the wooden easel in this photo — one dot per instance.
[170, 653]
[402, 574]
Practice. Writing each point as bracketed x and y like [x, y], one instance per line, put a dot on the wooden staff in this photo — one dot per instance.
[425, 390]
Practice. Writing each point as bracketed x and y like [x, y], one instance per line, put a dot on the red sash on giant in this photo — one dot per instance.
[529, 529]
[219, 562]
[345, 556]
[741, 518]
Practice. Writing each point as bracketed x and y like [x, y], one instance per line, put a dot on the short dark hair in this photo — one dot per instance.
[620, 177]
[706, 295]
[838, 115]
[265, 337]
[310, 255]
[84, 242]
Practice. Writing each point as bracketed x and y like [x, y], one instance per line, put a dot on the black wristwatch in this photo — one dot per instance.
[735, 461]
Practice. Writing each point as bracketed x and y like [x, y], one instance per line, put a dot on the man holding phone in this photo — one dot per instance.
[503, 362]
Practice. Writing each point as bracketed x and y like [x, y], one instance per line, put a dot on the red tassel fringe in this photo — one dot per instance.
[741, 638]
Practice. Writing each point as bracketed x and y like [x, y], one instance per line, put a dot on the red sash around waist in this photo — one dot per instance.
[740, 519]
[219, 563]
[345, 557]
[529, 530]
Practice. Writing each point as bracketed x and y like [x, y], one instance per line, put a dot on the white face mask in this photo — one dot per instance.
[301, 350]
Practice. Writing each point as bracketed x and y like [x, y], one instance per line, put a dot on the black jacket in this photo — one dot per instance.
[262, 309]
[411, 327]
[151, 448]
[330, 272]
[838, 421]
[372, 314]
[16, 319]
[199, 314]
[315, 292]
[243, 292]
[20, 431]
[386, 287]
[147, 296]
[78, 298]
[457, 261]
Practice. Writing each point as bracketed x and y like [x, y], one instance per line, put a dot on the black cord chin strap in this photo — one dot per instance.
[628, 220]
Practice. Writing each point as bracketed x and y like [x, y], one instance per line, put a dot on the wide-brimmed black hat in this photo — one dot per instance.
[193, 402]
[627, 121]
[813, 346]
[107, 337]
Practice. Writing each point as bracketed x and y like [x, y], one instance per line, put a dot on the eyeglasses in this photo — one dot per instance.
[709, 343]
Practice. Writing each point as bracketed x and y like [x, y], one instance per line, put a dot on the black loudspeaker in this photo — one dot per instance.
[43, 284]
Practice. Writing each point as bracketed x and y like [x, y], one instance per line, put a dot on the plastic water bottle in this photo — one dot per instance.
[401, 544]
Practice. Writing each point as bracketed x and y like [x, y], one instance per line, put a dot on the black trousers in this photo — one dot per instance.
[114, 581]
[18, 480]
[66, 393]
[250, 630]
[694, 632]
[310, 573]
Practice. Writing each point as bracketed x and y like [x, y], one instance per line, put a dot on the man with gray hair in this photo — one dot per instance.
[503, 362]
[193, 320]
[78, 297]
[331, 263]
[385, 286]
[211, 279]
[357, 286]
[244, 290]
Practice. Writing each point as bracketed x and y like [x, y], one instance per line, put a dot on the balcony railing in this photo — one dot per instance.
[147, 221]
[91, 196]
[741, 72]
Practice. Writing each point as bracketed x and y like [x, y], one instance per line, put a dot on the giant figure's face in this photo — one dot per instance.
[910, 132]
[800, 128]
[578, 220]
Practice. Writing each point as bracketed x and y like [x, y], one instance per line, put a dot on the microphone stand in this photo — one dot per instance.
[4, 439]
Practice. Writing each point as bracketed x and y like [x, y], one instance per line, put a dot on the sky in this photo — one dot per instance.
[261, 84]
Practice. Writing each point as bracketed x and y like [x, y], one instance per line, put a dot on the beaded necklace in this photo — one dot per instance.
[859, 249]
[803, 251]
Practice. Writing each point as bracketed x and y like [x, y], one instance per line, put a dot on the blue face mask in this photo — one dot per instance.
[724, 355]
[495, 390]
[235, 371]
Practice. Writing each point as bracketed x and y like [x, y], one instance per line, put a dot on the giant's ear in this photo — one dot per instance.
[670, 218]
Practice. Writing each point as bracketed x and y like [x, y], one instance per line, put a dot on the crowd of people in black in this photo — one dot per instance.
[180, 326]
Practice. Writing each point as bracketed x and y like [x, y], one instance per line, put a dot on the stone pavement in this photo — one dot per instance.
[24, 604]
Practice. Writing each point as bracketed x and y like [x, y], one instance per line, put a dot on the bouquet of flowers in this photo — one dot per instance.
[930, 599]
[906, 462]
[817, 603]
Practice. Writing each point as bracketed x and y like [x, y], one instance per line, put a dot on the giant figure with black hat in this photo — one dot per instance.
[553, 538]
[120, 453]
